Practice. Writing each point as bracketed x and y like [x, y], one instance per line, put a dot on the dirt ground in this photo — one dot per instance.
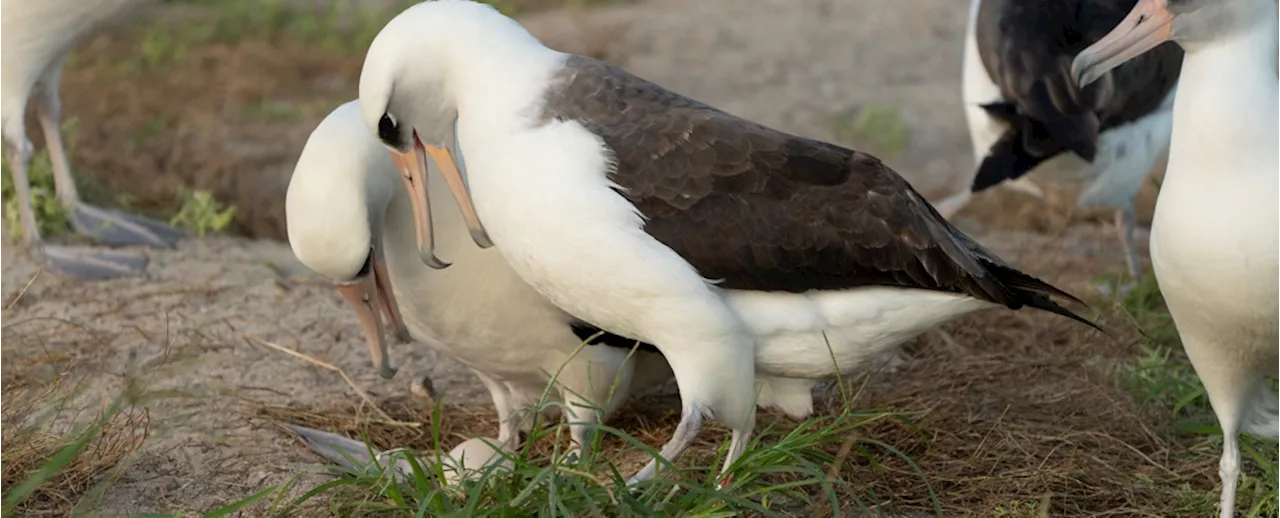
[1014, 408]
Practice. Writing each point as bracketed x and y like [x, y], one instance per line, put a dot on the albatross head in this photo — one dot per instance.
[334, 210]
[408, 98]
[1190, 23]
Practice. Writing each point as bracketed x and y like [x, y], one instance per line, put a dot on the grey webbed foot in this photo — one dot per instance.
[115, 228]
[92, 263]
[351, 453]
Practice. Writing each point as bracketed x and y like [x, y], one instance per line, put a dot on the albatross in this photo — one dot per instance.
[348, 220]
[37, 37]
[660, 219]
[1026, 113]
[1215, 239]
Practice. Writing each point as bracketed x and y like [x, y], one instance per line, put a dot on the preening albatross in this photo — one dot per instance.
[37, 36]
[1026, 113]
[348, 220]
[661, 219]
[1215, 239]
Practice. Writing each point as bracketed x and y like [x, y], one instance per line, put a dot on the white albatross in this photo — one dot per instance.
[730, 247]
[36, 38]
[349, 221]
[1026, 115]
[1215, 239]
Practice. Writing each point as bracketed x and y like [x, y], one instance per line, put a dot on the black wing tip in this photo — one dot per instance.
[1044, 303]
[1036, 293]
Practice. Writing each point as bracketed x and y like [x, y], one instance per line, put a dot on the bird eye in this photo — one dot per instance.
[388, 130]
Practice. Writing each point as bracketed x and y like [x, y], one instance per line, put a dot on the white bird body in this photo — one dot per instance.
[1215, 238]
[37, 36]
[479, 312]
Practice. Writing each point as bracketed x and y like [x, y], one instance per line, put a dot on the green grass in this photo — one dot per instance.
[875, 128]
[201, 214]
[782, 473]
[1019, 509]
[1164, 376]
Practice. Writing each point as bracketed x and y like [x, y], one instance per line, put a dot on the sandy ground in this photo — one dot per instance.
[189, 328]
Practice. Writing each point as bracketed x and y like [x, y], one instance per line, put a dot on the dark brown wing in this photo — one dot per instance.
[764, 210]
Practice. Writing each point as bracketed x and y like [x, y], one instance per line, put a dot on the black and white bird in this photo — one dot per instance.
[1026, 113]
[37, 37]
[350, 221]
[730, 247]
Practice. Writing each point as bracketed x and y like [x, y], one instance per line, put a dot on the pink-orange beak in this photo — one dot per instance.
[413, 170]
[374, 288]
[1149, 24]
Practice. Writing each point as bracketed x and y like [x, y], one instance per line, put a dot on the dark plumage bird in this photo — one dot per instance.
[1027, 113]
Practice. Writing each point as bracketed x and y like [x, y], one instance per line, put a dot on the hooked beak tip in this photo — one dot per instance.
[1083, 71]
[481, 238]
[429, 258]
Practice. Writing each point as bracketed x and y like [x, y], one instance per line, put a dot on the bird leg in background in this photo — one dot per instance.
[107, 226]
[1126, 225]
[19, 159]
[79, 262]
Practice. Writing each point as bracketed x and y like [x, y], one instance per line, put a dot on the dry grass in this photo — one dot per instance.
[57, 460]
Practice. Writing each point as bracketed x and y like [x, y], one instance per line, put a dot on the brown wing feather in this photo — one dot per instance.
[764, 210]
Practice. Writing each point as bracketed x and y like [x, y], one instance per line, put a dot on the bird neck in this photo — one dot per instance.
[1227, 98]
[1232, 76]
[502, 85]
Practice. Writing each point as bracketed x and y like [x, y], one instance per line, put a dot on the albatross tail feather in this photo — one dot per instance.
[1036, 293]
